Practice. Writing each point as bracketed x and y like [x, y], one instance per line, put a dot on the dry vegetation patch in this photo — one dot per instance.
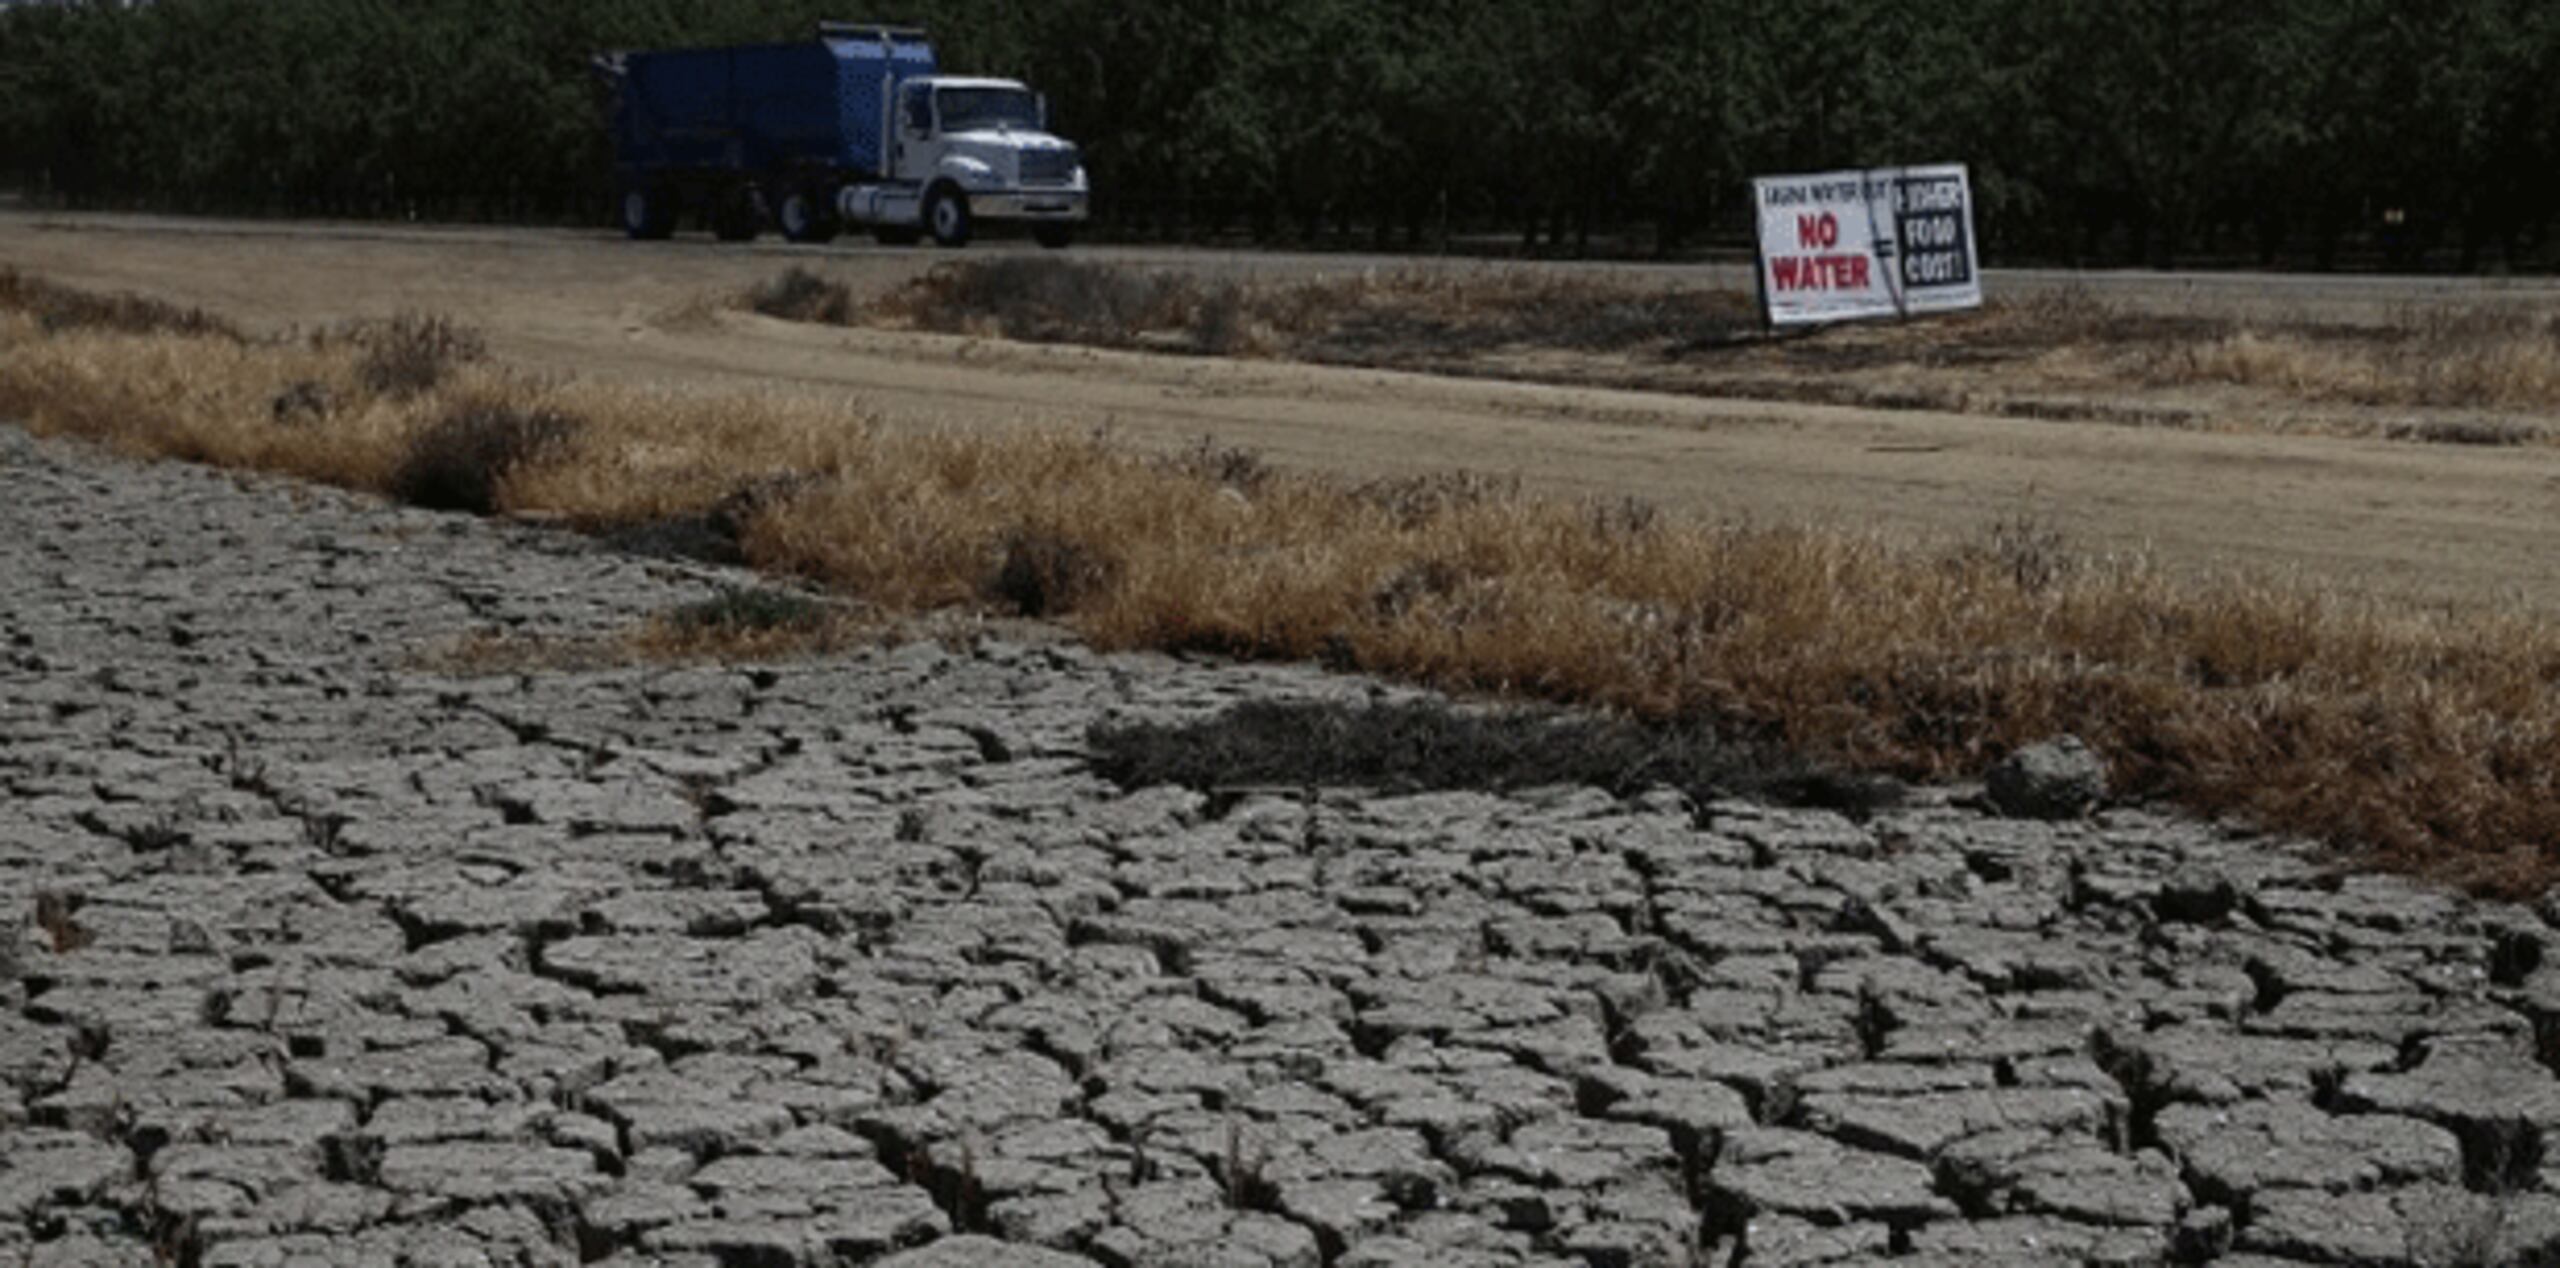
[1429, 745]
[738, 623]
[56, 308]
[1369, 317]
[2428, 741]
[2062, 355]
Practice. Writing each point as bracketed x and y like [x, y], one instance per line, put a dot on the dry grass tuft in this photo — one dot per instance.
[1048, 573]
[2425, 741]
[737, 624]
[1065, 301]
[412, 353]
[462, 460]
[753, 623]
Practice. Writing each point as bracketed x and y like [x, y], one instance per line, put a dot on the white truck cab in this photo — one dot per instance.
[963, 148]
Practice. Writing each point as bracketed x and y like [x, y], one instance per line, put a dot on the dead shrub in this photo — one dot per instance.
[800, 295]
[1046, 573]
[716, 534]
[1227, 466]
[1046, 300]
[2495, 432]
[1416, 583]
[1414, 501]
[749, 623]
[462, 460]
[302, 402]
[740, 610]
[411, 354]
[2024, 547]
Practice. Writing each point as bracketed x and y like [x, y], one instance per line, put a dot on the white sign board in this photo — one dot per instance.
[1841, 246]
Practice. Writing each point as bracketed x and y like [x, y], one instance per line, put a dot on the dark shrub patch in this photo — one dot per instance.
[303, 401]
[459, 462]
[411, 354]
[1052, 301]
[2465, 431]
[1047, 574]
[1429, 745]
[749, 610]
[717, 534]
[57, 308]
[1242, 470]
[800, 295]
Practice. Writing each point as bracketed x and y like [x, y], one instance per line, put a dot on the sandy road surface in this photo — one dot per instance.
[2404, 521]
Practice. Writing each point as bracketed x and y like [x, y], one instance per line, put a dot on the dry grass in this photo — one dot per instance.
[738, 624]
[1371, 317]
[2420, 358]
[2427, 742]
[1604, 331]
[54, 307]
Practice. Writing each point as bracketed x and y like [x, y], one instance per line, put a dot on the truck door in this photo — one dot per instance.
[915, 129]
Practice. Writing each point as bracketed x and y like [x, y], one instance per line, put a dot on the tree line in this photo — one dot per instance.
[2299, 132]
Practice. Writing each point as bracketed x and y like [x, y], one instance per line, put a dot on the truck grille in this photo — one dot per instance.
[1048, 167]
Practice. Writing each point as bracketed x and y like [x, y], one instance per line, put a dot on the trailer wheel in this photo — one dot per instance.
[647, 214]
[946, 212]
[806, 216]
[739, 217]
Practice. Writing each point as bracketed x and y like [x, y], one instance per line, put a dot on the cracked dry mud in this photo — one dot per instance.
[313, 959]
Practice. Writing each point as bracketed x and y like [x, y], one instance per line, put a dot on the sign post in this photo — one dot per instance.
[1847, 246]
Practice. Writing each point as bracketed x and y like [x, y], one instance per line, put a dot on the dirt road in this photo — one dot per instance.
[2400, 521]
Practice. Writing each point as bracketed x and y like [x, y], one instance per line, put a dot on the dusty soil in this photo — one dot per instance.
[2397, 520]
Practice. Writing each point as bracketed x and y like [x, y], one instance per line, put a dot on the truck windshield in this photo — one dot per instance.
[965, 109]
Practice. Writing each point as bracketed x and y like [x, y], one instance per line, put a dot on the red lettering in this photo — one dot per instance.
[1818, 231]
[1821, 273]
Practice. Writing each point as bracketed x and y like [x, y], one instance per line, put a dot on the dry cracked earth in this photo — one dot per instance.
[312, 958]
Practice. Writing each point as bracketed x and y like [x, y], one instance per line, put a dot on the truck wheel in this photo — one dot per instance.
[805, 216]
[946, 213]
[647, 215]
[1056, 237]
[738, 218]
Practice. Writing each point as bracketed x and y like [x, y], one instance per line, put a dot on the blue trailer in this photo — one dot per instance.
[854, 127]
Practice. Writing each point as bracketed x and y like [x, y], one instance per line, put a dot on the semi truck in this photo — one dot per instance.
[855, 128]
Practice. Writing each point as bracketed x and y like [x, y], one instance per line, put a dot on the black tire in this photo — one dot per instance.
[648, 215]
[946, 215]
[806, 215]
[896, 235]
[1056, 237]
[739, 216]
